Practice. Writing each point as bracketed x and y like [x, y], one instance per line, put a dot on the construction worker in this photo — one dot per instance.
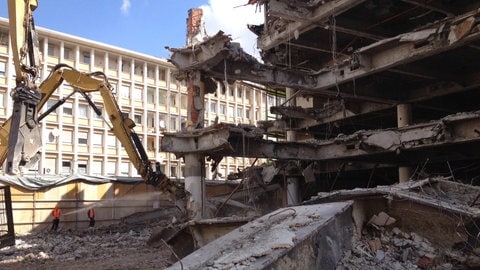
[91, 216]
[56, 218]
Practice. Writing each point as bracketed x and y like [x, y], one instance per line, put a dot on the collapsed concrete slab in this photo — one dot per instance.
[302, 237]
[444, 211]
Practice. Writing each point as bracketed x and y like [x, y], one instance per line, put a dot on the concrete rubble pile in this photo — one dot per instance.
[102, 244]
[382, 247]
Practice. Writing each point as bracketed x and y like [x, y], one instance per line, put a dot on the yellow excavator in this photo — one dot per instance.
[20, 139]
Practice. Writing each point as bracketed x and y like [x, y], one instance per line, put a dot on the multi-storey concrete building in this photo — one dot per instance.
[76, 140]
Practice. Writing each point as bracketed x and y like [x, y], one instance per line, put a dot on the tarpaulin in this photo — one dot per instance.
[36, 182]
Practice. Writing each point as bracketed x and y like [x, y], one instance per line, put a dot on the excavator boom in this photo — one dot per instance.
[20, 140]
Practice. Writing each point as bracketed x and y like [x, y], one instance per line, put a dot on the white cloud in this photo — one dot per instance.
[232, 18]
[125, 8]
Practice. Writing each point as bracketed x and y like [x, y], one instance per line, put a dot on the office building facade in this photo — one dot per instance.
[76, 140]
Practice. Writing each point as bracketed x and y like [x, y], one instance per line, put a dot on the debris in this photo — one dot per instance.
[382, 219]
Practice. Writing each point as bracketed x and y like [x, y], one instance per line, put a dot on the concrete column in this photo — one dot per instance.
[292, 182]
[195, 163]
[404, 118]
[194, 178]
[193, 184]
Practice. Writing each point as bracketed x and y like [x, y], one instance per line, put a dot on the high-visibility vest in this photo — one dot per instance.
[91, 213]
[56, 212]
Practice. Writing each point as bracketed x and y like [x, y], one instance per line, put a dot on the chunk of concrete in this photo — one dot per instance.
[302, 237]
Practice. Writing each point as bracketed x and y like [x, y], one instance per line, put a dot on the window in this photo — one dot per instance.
[124, 168]
[50, 104]
[240, 92]
[124, 91]
[271, 101]
[3, 38]
[3, 69]
[222, 109]
[173, 123]
[247, 94]
[183, 122]
[150, 72]
[100, 109]
[66, 167]
[96, 168]
[97, 139]
[82, 138]
[138, 119]
[86, 58]
[183, 102]
[67, 53]
[82, 110]
[2, 100]
[98, 60]
[125, 67]
[150, 95]
[230, 111]
[111, 141]
[173, 99]
[151, 120]
[137, 94]
[239, 112]
[50, 165]
[112, 64]
[162, 97]
[52, 135]
[52, 50]
[161, 74]
[82, 167]
[173, 171]
[161, 121]
[213, 107]
[67, 109]
[66, 136]
[138, 70]
[111, 168]
[247, 113]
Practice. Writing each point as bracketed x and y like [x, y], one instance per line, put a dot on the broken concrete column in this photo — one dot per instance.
[404, 118]
[194, 163]
[292, 182]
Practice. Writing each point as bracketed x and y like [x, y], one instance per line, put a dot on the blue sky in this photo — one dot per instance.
[145, 26]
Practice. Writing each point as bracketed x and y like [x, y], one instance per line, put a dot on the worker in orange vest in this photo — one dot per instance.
[91, 216]
[56, 218]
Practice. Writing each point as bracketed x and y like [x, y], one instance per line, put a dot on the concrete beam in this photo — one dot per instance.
[218, 56]
[301, 23]
[457, 128]
[199, 141]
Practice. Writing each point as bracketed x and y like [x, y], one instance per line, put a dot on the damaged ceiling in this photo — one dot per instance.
[355, 61]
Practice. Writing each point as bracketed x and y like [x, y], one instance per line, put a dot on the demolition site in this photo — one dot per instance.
[350, 143]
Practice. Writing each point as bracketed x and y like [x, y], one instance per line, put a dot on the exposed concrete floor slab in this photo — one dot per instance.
[301, 237]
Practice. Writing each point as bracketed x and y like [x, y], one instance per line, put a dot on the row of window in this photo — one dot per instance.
[113, 62]
[83, 166]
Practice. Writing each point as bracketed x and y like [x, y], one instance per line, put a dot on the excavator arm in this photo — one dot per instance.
[120, 124]
[20, 138]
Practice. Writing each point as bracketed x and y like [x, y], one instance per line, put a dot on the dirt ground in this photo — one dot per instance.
[112, 247]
